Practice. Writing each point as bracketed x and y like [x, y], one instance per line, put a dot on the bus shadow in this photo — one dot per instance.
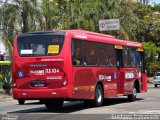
[70, 107]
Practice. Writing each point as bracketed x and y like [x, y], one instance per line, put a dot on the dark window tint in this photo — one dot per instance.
[111, 55]
[102, 54]
[77, 57]
[89, 53]
[40, 45]
[126, 57]
[93, 53]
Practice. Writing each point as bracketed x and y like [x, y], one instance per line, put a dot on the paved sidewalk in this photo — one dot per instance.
[5, 99]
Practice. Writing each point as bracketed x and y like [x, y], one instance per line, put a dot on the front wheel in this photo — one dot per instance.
[132, 97]
[21, 102]
[98, 101]
[155, 85]
[53, 103]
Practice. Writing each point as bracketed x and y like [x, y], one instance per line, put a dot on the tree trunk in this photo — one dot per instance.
[24, 15]
[25, 22]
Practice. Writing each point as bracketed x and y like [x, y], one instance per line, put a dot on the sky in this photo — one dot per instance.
[152, 2]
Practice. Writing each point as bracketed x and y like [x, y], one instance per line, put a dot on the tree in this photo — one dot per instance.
[151, 51]
[49, 10]
[152, 28]
[6, 78]
[15, 17]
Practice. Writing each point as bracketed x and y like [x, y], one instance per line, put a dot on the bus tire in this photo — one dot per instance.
[53, 103]
[21, 102]
[133, 96]
[98, 100]
[155, 85]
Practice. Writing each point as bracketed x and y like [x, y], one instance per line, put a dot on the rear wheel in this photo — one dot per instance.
[132, 97]
[21, 102]
[54, 103]
[155, 85]
[98, 101]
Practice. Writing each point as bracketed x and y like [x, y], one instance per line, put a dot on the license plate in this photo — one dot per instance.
[38, 83]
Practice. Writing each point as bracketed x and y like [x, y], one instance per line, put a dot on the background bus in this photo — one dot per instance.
[76, 65]
[5, 74]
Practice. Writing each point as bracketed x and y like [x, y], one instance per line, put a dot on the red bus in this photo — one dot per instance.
[64, 65]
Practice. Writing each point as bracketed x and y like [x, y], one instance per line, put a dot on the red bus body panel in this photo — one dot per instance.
[81, 81]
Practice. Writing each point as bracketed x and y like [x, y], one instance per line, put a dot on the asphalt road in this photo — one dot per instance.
[146, 103]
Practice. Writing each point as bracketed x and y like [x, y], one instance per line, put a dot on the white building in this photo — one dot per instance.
[2, 47]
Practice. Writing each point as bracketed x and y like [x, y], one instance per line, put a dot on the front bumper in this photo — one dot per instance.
[41, 93]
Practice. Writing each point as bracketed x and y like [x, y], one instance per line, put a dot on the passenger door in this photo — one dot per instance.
[144, 76]
[120, 78]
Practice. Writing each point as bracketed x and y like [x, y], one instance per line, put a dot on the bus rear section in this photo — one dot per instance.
[38, 68]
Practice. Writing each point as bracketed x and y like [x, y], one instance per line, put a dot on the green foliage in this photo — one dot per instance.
[6, 77]
[138, 22]
[151, 51]
[1, 85]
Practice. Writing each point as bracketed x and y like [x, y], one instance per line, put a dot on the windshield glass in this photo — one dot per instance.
[40, 45]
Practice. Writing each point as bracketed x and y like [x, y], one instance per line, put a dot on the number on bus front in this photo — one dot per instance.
[52, 70]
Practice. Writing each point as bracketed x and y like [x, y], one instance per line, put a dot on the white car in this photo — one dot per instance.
[157, 79]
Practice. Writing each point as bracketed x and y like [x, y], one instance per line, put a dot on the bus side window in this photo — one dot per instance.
[102, 55]
[111, 55]
[77, 52]
[126, 60]
[134, 57]
[142, 62]
[89, 53]
[72, 48]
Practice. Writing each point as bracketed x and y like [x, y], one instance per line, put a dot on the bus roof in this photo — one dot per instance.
[99, 37]
[41, 33]
[5, 62]
[86, 35]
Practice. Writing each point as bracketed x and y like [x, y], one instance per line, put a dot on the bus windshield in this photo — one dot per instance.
[40, 45]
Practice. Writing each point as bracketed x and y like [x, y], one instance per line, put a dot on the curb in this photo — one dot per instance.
[6, 99]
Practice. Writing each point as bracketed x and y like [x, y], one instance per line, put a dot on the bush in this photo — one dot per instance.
[1, 85]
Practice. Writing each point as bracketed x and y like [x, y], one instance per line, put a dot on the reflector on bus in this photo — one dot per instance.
[140, 49]
[118, 46]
